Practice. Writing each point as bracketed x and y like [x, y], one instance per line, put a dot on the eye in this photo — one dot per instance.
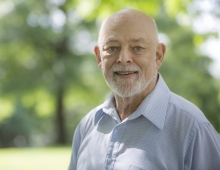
[138, 48]
[111, 49]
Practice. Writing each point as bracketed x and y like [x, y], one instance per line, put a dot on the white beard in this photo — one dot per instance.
[129, 87]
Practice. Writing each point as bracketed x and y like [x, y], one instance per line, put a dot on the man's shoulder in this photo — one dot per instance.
[92, 112]
[186, 108]
[91, 118]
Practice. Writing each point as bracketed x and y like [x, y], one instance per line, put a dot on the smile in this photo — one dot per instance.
[125, 72]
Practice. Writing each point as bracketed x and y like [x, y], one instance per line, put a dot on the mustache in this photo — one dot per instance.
[134, 68]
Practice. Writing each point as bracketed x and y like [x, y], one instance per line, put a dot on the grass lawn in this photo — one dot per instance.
[51, 158]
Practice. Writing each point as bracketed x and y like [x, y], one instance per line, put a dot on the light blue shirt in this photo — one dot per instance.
[165, 132]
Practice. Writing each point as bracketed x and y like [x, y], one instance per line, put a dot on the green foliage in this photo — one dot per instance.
[41, 57]
[17, 125]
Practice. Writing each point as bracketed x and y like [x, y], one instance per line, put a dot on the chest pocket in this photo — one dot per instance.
[131, 167]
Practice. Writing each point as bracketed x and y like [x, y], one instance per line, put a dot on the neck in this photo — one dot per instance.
[125, 106]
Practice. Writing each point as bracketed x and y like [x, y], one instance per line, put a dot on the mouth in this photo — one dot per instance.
[125, 72]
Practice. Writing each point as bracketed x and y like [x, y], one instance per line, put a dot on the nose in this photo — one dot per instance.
[124, 57]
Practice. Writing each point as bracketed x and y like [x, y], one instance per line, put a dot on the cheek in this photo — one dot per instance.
[149, 69]
[105, 69]
[107, 64]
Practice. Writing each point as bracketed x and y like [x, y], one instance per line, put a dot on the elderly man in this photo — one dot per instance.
[142, 125]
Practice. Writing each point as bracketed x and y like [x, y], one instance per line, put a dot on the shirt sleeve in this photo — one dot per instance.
[204, 149]
[75, 148]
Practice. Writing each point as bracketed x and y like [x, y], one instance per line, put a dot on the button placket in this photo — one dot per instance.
[117, 142]
[113, 146]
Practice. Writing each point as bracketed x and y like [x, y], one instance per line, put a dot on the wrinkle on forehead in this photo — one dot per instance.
[113, 39]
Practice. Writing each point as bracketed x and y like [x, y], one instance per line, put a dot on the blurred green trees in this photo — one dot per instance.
[48, 74]
[45, 56]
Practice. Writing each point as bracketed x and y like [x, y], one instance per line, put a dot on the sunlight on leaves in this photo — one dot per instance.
[6, 108]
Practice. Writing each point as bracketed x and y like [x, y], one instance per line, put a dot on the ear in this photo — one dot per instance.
[161, 50]
[98, 57]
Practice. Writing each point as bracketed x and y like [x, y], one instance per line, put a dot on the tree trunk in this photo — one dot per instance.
[60, 118]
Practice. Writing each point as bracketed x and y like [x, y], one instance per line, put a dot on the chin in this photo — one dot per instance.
[126, 90]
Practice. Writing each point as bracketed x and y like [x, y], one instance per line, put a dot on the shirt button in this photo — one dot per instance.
[109, 160]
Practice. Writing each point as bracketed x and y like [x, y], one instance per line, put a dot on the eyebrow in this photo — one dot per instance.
[139, 40]
[111, 40]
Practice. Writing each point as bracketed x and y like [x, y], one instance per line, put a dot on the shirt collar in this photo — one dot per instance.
[153, 107]
[109, 108]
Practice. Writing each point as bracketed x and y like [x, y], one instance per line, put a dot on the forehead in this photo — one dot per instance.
[120, 39]
[126, 29]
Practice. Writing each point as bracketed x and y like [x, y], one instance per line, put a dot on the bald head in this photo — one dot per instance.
[130, 17]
